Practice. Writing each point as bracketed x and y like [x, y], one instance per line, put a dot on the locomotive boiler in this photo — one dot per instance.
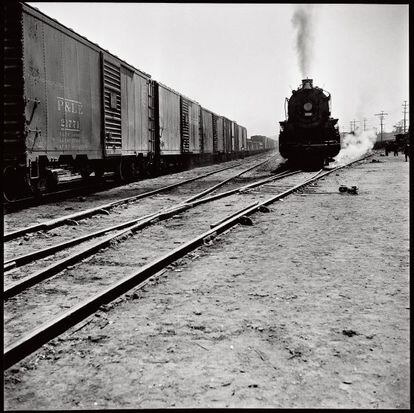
[309, 134]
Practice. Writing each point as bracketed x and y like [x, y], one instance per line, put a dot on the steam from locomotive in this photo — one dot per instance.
[355, 145]
[302, 22]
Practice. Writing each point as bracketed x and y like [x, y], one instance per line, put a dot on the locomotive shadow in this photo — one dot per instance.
[306, 164]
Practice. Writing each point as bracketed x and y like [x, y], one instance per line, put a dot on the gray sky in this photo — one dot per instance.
[240, 60]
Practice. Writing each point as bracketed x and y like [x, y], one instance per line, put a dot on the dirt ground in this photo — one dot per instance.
[309, 307]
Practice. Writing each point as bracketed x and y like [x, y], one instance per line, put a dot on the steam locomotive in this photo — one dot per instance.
[309, 135]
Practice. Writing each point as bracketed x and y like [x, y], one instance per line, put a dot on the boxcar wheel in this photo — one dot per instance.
[10, 184]
[85, 171]
[99, 172]
[127, 171]
[47, 182]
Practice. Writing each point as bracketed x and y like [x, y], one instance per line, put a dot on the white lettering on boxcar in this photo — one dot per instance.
[72, 109]
[69, 106]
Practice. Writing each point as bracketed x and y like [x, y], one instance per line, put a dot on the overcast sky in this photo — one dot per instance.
[241, 61]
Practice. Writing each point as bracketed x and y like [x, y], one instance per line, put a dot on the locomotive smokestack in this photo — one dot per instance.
[307, 83]
[302, 21]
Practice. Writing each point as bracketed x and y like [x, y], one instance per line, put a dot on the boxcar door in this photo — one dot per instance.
[112, 127]
[185, 125]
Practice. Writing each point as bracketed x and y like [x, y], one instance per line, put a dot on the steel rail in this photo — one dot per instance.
[213, 188]
[128, 227]
[26, 258]
[51, 329]
[35, 255]
[45, 273]
[91, 211]
[243, 188]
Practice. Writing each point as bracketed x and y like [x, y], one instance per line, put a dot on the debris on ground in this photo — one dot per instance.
[350, 190]
[349, 333]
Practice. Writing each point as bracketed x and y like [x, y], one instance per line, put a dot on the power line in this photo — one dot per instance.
[365, 123]
[405, 111]
[381, 115]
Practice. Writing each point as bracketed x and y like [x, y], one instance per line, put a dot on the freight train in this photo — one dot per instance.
[309, 134]
[71, 104]
[260, 142]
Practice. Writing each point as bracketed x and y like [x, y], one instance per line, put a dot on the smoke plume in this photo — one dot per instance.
[302, 22]
[355, 146]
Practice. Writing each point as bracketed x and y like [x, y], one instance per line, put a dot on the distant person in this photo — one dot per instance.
[395, 147]
[387, 148]
[407, 151]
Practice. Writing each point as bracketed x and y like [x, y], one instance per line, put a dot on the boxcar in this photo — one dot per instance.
[169, 121]
[71, 104]
[219, 121]
[236, 146]
[240, 133]
[227, 136]
[232, 134]
[68, 102]
[190, 126]
[207, 132]
[244, 138]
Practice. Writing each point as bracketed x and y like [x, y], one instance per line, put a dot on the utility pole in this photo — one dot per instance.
[353, 122]
[381, 115]
[405, 112]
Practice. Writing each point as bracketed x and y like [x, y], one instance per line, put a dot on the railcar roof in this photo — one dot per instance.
[32, 9]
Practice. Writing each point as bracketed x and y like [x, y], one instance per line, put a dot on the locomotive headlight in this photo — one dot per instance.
[307, 106]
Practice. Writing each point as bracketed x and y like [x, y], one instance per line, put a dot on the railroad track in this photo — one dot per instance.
[58, 324]
[104, 208]
[47, 225]
[65, 190]
[115, 231]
